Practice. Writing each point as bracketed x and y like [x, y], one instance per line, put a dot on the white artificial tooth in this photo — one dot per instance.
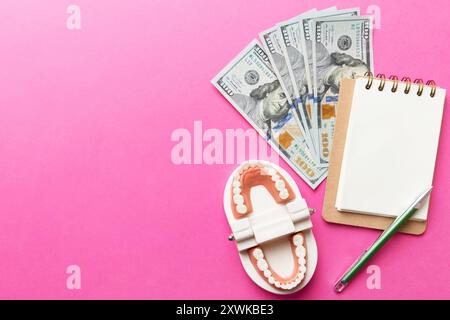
[262, 264]
[245, 166]
[267, 273]
[284, 194]
[271, 171]
[300, 276]
[238, 199]
[279, 184]
[301, 261]
[253, 163]
[284, 286]
[275, 177]
[258, 253]
[298, 240]
[241, 208]
[300, 252]
[271, 280]
[302, 269]
[236, 184]
[297, 281]
[237, 190]
[291, 285]
[277, 284]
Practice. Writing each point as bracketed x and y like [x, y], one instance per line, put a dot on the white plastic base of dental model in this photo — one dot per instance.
[260, 200]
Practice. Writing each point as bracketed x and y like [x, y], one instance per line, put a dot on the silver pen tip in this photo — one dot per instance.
[421, 199]
[340, 286]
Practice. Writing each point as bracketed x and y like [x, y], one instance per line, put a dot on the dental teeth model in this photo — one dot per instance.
[253, 174]
[271, 225]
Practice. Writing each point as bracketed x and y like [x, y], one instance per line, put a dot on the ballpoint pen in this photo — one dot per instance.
[382, 239]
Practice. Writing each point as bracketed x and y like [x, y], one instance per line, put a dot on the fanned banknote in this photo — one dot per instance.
[251, 86]
[294, 52]
[307, 37]
[288, 87]
[342, 48]
[297, 68]
[273, 44]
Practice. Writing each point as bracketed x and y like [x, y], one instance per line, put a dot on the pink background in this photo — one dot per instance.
[86, 175]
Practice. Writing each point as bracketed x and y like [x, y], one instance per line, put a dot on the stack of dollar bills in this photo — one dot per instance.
[286, 85]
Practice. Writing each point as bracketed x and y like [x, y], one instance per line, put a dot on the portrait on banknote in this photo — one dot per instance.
[332, 67]
[266, 105]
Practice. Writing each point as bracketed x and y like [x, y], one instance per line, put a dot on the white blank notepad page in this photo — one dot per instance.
[390, 149]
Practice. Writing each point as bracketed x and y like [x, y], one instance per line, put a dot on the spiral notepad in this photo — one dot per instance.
[386, 141]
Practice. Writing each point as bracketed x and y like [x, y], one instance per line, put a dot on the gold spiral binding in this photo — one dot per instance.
[395, 84]
[408, 84]
[433, 87]
[382, 82]
[395, 81]
[369, 80]
[420, 83]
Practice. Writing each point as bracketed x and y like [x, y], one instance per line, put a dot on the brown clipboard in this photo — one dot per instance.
[329, 212]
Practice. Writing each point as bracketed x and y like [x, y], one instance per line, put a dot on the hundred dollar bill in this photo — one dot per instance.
[249, 83]
[273, 44]
[290, 46]
[342, 48]
[306, 38]
[294, 52]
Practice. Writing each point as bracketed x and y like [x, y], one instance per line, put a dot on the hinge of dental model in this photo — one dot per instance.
[232, 238]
